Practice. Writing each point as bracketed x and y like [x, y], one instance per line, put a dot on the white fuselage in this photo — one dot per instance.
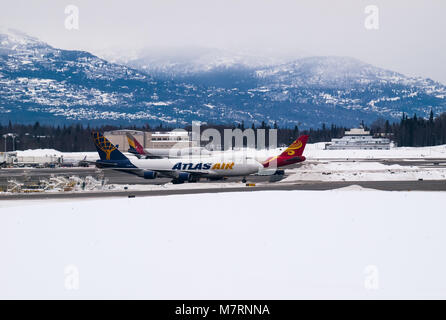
[205, 166]
[178, 153]
[200, 152]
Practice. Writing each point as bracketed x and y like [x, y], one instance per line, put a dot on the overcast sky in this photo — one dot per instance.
[411, 38]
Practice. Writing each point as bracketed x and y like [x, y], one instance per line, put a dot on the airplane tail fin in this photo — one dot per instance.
[296, 148]
[106, 150]
[292, 154]
[135, 146]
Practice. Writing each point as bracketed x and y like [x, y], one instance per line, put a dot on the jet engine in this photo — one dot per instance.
[149, 174]
[184, 176]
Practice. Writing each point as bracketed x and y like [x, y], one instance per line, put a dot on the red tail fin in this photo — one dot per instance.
[133, 143]
[296, 148]
[292, 154]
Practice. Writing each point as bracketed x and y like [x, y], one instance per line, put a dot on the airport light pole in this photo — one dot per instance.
[13, 135]
[5, 136]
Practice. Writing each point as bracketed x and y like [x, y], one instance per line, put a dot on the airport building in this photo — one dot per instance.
[358, 139]
[151, 140]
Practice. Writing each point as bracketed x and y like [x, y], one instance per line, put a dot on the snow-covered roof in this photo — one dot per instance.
[171, 133]
[357, 132]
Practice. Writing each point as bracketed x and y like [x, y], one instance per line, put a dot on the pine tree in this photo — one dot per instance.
[387, 127]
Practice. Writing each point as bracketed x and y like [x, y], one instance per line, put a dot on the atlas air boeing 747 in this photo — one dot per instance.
[189, 169]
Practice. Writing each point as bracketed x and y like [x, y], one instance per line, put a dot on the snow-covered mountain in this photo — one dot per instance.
[343, 83]
[14, 42]
[39, 82]
[188, 61]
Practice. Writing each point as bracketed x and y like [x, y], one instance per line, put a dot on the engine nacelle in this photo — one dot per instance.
[184, 176]
[271, 172]
[149, 174]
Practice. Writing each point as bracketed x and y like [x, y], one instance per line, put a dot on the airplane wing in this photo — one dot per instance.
[146, 155]
[137, 149]
[174, 174]
[151, 156]
[140, 172]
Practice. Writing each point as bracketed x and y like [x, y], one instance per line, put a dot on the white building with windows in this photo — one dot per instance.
[152, 140]
[170, 139]
[358, 139]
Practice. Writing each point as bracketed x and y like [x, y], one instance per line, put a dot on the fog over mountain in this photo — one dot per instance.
[40, 82]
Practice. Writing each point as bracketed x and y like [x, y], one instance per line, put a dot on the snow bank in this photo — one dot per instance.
[312, 151]
[316, 151]
[39, 153]
[354, 187]
[55, 153]
[90, 156]
[260, 245]
[361, 171]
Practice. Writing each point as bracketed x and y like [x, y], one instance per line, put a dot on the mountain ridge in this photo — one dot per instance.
[40, 82]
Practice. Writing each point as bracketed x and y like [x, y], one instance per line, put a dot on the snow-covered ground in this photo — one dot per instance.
[361, 171]
[327, 165]
[316, 151]
[91, 156]
[346, 243]
[312, 151]
[183, 186]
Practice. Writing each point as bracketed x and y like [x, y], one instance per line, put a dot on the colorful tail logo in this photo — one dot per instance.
[106, 149]
[131, 143]
[134, 144]
[103, 144]
[292, 154]
[291, 150]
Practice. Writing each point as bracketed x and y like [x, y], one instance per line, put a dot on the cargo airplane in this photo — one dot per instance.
[192, 169]
[293, 154]
[179, 169]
